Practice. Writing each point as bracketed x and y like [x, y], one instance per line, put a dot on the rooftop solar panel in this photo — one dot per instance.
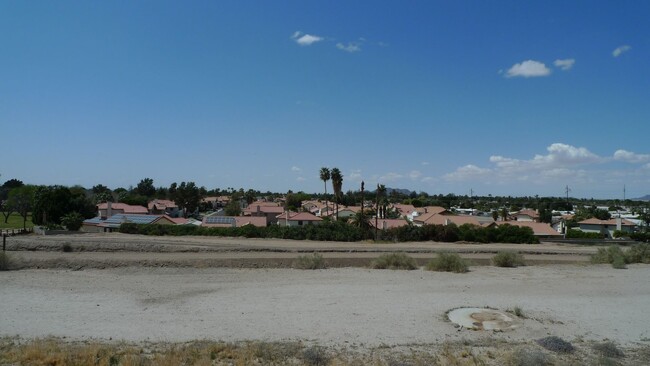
[220, 220]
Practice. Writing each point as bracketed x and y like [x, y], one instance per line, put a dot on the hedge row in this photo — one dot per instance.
[341, 231]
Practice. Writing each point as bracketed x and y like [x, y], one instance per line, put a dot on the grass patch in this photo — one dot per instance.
[394, 261]
[638, 253]
[518, 311]
[314, 261]
[15, 221]
[508, 259]
[448, 262]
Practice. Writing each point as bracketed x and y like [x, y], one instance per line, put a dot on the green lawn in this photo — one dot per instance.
[15, 222]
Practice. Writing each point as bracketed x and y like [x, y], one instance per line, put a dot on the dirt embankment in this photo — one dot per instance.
[120, 250]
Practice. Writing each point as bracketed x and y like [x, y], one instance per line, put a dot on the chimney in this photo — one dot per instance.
[383, 225]
[258, 210]
[619, 223]
[426, 210]
[109, 209]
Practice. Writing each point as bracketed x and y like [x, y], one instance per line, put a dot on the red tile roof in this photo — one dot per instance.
[595, 221]
[128, 209]
[539, 228]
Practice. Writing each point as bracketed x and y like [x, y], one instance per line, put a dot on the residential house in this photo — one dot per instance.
[163, 207]
[269, 210]
[298, 219]
[439, 219]
[384, 224]
[540, 229]
[606, 227]
[110, 224]
[527, 215]
[233, 221]
[109, 209]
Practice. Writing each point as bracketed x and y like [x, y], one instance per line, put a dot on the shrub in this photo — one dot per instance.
[556, 344]
[66, 247]
[448, 262]
[314, 261]
[579, 234]
[72, 221]
[608, 349]
[394, 261]
[315, 356]
[518, 311]
[6, 261]
[638, 253]
[608, 255]
[528, 357]
[508, 259]
[619, 263]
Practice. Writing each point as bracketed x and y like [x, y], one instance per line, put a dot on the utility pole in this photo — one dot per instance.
[567, 190]
[623, 193]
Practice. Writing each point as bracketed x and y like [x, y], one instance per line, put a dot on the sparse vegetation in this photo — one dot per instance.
[315, 356]
[6, 261]
[528, 357]
[448, 262]
[518, 311]
[314, 261]
[608, 349]
[508, 259]
[394, 261]
[638, 253]
[614, 255]
[66, 247]
[556, 344]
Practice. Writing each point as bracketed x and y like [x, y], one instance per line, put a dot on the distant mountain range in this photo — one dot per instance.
[644, 198]
[398, 190]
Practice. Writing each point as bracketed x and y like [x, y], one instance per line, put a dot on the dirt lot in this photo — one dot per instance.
[357, 308]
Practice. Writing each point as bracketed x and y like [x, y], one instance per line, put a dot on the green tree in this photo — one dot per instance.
[72, 221]
[325, 175]
[51, 203]
[186, 195]
[337, 187]
[495, 215]
[21, 200]
[145, 188]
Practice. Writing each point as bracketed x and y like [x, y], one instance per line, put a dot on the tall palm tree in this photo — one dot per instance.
[337, 185]
[325, 175]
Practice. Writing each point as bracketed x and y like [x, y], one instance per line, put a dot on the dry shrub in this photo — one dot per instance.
[508, 258]
[448, 262]
[314, 261]
[394, 261]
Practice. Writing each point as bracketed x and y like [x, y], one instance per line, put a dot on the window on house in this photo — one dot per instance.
[299, 223]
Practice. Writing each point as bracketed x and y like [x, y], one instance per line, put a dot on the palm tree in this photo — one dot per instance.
[337, 185]
[325, 175]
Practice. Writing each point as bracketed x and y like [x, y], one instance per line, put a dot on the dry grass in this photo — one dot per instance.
[57, 352]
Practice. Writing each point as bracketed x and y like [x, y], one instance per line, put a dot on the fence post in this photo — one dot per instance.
[4, 241]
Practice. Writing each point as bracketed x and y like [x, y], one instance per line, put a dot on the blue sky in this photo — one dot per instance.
[503, 98]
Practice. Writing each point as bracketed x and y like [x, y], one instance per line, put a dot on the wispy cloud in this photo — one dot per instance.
[295, 169]
[390, 177]
[350, 47]
[630, 157]
[565, 64]
[415, 174]
[528, 69]
[301, 179]
[620, 50]
[467, 172]
[305, 39]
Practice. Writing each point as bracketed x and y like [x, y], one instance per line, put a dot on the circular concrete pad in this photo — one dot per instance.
[484, 319]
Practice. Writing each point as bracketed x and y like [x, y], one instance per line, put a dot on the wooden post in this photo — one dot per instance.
[4, 242]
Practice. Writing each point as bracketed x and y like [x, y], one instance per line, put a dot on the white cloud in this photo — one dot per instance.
[350, 47]
[565, 64]
[390, 177]
[355, 175]
[528, 69]
[424, 163]
[415, 174]
[620, 50]
[467, 172]
[301, 179]
[630, 157]
[305, 39]
[295, 169]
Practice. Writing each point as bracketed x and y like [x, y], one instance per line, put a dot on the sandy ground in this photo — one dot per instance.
[334, 306]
